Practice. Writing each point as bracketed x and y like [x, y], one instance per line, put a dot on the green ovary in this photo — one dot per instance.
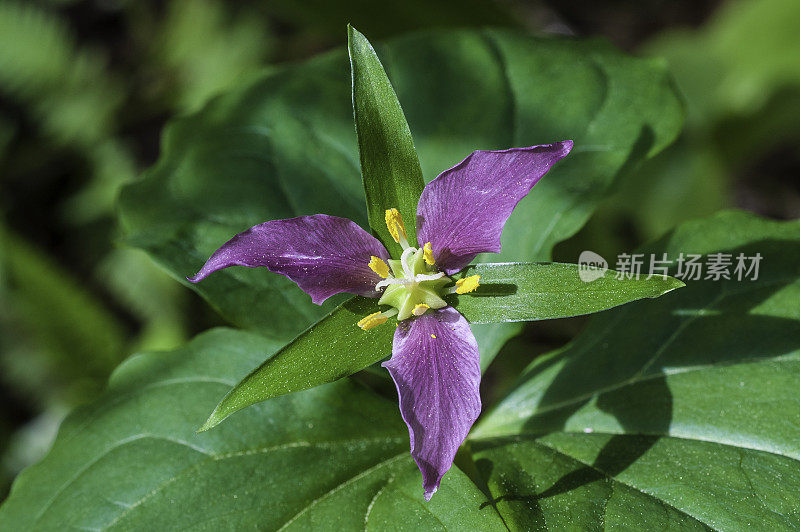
[404, 297]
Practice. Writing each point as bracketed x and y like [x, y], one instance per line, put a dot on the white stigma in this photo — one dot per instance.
[404, 261]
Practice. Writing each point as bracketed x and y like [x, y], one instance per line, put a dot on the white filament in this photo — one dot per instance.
[390, 280]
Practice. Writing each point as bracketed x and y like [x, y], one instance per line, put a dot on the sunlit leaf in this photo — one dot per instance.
[542, 291]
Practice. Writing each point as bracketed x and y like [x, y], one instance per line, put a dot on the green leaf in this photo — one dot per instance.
[284, 146]
[332, 348]
[677, 411]
[336, 456]
[527, 291]
[389, 165]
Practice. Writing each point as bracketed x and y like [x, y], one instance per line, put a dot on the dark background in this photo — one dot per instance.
[87, 86]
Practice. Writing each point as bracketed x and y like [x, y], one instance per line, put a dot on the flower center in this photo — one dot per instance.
[412, 285]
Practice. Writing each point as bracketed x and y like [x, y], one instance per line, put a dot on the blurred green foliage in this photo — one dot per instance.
[199, 48]
[85, 87]
[740, 78]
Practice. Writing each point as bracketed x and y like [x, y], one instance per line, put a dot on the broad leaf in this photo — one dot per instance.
[675, 412]
[389, 165]
[333, 457]
[519, 291]
[285, 146]
[332, 348]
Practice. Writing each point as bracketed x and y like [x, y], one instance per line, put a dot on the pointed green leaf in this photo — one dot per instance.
[332, 348]
[527, 291]
[389, 165]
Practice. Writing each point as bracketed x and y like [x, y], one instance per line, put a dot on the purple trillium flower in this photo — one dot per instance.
[435, 362]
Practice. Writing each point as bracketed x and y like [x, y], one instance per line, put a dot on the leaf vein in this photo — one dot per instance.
[341, 486]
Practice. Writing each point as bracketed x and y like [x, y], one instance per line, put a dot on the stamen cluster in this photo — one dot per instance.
[412, 285]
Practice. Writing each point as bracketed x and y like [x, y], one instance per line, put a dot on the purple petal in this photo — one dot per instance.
[324, 255]
[462, 212]
[436, 368]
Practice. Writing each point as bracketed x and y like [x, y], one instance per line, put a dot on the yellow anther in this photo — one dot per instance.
[377, 265]
[433, 336]
[467, 284]
[420, 309]
[394, 222]
[373, 320]
[427, 253]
